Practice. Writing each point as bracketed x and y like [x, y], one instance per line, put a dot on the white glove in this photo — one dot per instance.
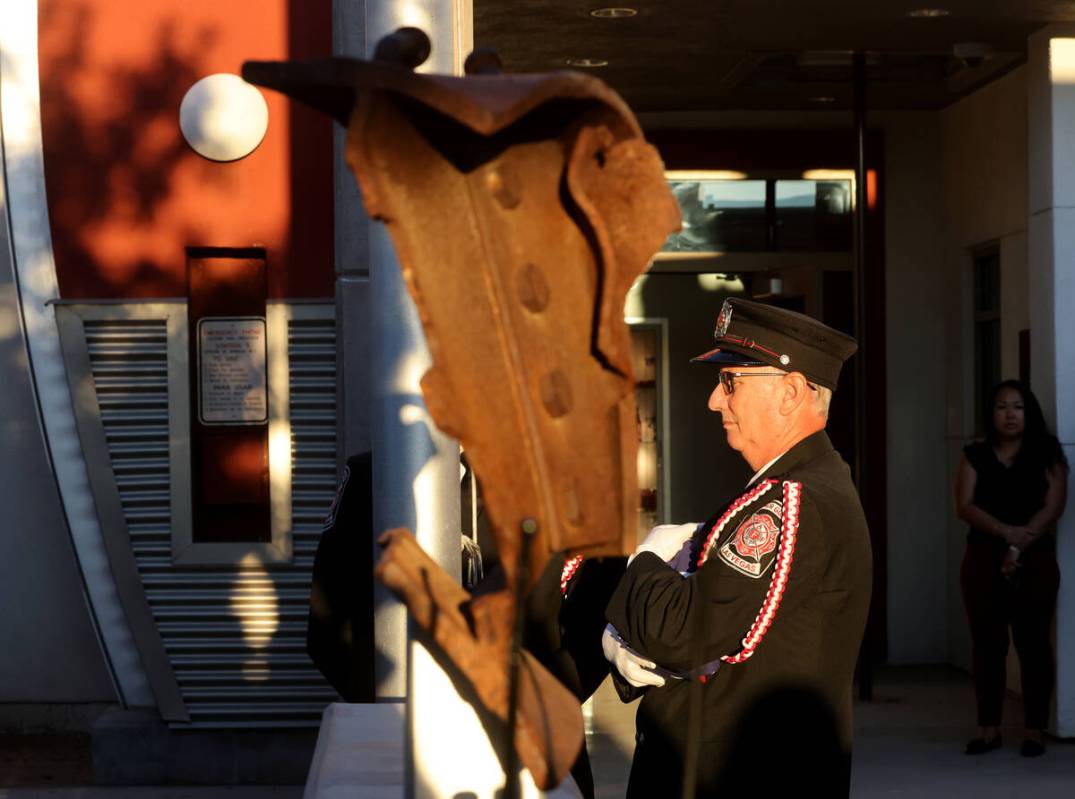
[665, 540]
[634, 668]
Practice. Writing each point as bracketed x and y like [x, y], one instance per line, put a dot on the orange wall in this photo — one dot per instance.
[127, 195]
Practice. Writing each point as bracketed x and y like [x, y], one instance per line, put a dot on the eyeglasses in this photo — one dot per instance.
[727, 379]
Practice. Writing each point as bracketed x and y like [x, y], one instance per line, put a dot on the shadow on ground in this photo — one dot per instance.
[908, 743]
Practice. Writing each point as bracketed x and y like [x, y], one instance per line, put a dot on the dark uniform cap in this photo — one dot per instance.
[752, 334]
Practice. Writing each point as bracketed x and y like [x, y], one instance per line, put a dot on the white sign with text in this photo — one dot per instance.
[231, 359]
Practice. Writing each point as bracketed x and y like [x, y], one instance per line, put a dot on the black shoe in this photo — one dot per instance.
[1032, 748]
[979, 746]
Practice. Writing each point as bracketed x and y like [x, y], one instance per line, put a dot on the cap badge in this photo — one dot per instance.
[724, 319]
[785, 359]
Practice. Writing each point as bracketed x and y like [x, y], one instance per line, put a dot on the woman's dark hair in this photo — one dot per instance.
[1040, 447]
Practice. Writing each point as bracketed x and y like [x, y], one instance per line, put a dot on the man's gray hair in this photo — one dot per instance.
[822, 401]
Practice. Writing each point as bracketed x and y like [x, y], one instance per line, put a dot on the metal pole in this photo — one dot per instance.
[415, 466]
[510, 754]
[861, 283]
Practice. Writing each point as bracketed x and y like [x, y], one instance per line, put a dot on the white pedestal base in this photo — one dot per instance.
[360, 753]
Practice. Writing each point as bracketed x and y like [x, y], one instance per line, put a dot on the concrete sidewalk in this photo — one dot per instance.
[908, 743]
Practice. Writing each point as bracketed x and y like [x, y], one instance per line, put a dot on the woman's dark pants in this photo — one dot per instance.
[1026, 603]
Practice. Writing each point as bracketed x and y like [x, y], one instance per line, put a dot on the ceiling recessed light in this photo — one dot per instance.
[823, 99]
[693, 175]
[613, 13]
[928, 13]
[588, 63]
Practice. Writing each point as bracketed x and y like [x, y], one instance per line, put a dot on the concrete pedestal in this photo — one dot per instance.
[360, 753]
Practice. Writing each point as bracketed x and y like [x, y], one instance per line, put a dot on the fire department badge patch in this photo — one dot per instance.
[751, 548]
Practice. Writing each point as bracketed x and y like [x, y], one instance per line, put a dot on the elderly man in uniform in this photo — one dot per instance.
[742, 632]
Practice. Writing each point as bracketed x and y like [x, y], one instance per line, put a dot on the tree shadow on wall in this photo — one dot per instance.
[112, 147]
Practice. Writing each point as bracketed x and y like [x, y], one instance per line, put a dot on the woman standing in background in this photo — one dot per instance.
[1011, 490]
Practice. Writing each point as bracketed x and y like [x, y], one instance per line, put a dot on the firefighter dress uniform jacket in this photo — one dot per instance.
[776, 595]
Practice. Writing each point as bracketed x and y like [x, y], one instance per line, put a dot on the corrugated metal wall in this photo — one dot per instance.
[235, 635]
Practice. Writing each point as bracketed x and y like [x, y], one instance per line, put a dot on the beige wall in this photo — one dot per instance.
[984, 162]
[984, 157]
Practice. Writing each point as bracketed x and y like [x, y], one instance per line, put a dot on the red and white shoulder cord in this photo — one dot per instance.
[570, 567]
[789, 530]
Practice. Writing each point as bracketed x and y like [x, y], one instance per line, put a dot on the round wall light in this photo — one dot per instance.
[223, 118]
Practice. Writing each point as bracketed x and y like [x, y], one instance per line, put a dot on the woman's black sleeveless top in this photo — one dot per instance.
[1011, 494]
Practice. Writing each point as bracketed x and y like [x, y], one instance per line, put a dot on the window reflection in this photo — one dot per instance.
[763, 215]
[719, 216]
[813, 215]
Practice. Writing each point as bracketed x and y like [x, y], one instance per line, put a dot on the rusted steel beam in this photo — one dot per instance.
[522, 208]
[471, 640]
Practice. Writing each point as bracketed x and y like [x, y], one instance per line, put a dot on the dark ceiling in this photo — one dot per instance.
[701, 55]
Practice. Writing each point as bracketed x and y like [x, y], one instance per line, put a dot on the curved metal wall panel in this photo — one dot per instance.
[235, 634]
[35, 273]
[46, 624]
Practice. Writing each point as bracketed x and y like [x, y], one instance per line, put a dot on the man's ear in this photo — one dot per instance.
[796, 392]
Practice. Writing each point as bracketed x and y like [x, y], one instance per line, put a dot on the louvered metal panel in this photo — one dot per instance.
[235, 635]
